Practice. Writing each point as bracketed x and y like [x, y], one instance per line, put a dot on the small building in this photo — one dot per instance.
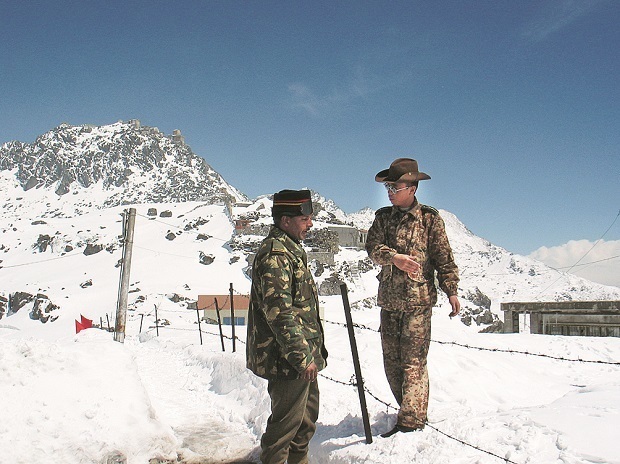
[210, 303]
[585, 318]
[241, 225]
[349, 236]
[241, 305]
[323, 257]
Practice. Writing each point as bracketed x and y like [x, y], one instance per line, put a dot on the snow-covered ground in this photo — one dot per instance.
[67, 398]
[86, 398]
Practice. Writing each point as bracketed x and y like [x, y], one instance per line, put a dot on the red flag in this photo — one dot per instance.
[86, 323]
[78, 327]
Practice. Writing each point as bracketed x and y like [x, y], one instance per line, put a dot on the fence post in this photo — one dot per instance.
[232, 316]
[129, 221]
[356, 362]
[199, 329]
[156, 321]
[219, 323]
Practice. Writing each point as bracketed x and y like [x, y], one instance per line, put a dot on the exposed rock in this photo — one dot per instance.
[92, 248]
[42, 309]
[43, 242]
[478, 298]
[205, 259]
[323, 240]
[195, 224]
[496, 327]
[18, 300]
[319, 269]
[4, 306]
[330, 286]
[366, 303]
[487, 317]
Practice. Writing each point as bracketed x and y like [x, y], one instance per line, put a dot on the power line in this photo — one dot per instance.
[584, 255]
[588, 264]
[41, 261]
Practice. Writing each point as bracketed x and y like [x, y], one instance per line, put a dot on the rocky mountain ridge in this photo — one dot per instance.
[129, 162]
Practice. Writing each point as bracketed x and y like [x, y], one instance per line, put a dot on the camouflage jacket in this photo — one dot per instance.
[419, 232]
[285, 333]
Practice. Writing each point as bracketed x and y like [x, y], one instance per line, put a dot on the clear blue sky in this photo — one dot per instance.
[513, 107]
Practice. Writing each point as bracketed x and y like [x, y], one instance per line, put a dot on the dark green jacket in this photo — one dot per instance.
[285, 334]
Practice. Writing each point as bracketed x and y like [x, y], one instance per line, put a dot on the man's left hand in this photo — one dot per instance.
[456, 305]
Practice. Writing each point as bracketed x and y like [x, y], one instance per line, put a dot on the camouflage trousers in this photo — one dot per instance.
[405, 339]
[294, 412]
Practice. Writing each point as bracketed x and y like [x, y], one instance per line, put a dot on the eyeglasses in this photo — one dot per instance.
[393, 190]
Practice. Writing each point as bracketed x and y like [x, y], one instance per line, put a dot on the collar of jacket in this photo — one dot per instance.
[415, 210]
[292, 245]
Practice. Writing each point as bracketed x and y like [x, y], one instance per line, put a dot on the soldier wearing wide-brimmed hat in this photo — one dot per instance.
[285, 335]
[409, 241]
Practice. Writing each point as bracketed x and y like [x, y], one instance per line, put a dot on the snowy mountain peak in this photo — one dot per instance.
[125, 162]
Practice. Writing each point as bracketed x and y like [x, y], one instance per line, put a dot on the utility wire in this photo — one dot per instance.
[41, 261]
[584, 255]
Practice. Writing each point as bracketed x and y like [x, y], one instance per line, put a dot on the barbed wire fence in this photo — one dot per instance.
[352, 383]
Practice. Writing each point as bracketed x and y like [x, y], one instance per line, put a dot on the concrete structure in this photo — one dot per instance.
[323, 257]
[349, 236]
[585, 318]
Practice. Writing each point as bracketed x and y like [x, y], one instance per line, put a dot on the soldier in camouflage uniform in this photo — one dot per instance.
[285, 335]
[410, 242]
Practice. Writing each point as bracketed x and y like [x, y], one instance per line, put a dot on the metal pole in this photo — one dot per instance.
[121, 310]
[232, 317]
[219, 323]
[156, 322]
[199, 329]
[356, 362]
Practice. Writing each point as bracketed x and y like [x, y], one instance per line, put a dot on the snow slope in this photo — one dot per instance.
[168, 398]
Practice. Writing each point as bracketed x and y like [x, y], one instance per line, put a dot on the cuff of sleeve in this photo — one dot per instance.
[309, 360]
[451, 291]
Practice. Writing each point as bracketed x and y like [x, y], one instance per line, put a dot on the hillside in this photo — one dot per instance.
[64, 194]
[169, 394]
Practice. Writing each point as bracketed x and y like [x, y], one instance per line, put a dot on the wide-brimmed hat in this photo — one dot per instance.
[402, 170]
[292, 203]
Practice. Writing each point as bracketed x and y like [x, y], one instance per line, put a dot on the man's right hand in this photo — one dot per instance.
[405, 263]
[311, 372]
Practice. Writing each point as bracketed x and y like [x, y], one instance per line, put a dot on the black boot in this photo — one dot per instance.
[400, 428]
